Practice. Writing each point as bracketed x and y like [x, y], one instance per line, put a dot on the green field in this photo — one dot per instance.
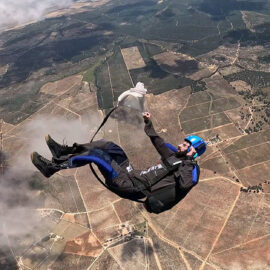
[104, 94]
[119, 74]
[89, 75]
[156, 80]
[113, 68]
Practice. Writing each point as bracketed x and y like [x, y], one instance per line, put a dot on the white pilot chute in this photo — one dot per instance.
[134, 97]
[129, 107]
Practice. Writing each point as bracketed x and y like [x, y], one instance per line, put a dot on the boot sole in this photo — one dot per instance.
[47, 139]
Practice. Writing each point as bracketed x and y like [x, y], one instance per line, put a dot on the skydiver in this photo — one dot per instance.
[160, 187]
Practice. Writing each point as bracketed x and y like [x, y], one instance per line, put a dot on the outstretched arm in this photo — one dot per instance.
[156, 140]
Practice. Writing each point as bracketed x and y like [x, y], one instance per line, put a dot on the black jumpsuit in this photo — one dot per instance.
[127, 177]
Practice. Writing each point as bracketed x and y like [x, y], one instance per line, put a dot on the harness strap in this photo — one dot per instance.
[168, 169]
[104, 121]
[141, 187]
[156, 205]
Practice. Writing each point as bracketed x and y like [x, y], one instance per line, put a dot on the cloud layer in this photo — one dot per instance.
[18, 200]
[17, 12]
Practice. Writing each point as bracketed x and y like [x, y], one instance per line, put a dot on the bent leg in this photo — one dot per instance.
[83, 148]
[62, 150]
[45, 166]
[78, 149]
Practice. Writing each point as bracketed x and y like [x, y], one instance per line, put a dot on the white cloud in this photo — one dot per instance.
[18, 201]
[17, 12]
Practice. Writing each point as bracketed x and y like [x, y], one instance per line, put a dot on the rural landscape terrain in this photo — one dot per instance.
[206, 65]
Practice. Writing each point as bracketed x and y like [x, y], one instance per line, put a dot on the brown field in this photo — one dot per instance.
[221, 56]
[248, 141]
[201, 110]
[214, 95]
[267, 91]
[3, 69]
[85, 245]
[198, 98]
[79, 100]
[220, 119]
[235, 116]
[176, 63]
[5, 127]
[196, 125]
[250, 156]
[211, 152]
[102, 219]
[255, 175]
[59, 87]
[15, 147]
[205, 174]
[204, 71]
[248, 221]
[133, 58]
[218, 85]
[253, 19]
[216, 164]
[195, 111]
[240, 86]
[227, 143]
[230, 70]
[253, 251]
[134, 142]
[227, 132]
[76, 8]
[165, 109]
[205, 123]
[224, 132]
[193, 217]
[225, 104]
[53, 110]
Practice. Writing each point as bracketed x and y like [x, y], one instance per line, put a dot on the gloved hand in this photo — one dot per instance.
[146, 116]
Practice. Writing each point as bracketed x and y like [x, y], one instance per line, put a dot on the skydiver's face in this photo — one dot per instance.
[183, 147]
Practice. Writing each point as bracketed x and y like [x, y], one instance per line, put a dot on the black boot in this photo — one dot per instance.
[46, 167]
[57, 149]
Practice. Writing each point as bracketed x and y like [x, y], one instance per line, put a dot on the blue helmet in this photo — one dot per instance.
[198, 143]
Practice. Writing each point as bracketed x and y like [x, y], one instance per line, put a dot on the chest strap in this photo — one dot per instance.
[168, 168]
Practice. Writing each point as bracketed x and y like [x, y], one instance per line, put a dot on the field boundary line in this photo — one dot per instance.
[126, 67]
